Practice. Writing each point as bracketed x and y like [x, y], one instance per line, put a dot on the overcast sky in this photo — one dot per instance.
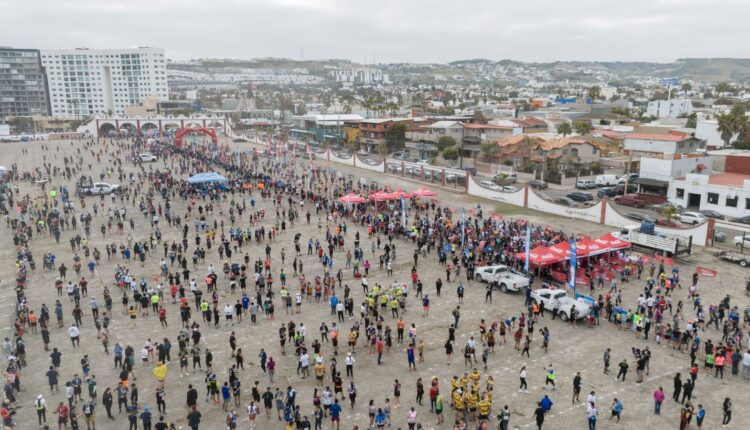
[388, 30]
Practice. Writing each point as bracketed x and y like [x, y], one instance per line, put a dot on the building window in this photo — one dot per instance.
[680, 193]
[747, 203]
[713, 198]
[574, 152]
[732, 201]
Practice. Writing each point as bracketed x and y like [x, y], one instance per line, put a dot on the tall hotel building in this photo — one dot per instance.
[93, 81]
[23, 85]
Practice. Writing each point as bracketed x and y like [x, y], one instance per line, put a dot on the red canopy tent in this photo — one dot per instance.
[540, 256]
[352, 198]
[424, 192]
[401, 193]
[383, 196]
[562, 249]
[588, 247]
[611, 243]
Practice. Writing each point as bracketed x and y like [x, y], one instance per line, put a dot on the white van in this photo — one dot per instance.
[605, 180]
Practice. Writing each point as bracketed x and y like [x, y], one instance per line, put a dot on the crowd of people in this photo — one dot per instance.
[182, 261]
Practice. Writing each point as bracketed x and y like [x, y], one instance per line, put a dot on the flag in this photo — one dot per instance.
[463, 226]
[573, 265]
[403, 213]
[527, 248]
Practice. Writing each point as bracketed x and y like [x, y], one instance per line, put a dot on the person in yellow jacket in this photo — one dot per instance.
[458, 401]
[472, 399]
[485, 407]
[475, 376]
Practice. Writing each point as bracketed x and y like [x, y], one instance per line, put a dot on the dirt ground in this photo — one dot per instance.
[572, 348]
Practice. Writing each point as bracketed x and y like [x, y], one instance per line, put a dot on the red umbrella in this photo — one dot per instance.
[424, 192]
[352, 198]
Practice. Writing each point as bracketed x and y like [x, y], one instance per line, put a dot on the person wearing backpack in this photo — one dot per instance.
[41, 409]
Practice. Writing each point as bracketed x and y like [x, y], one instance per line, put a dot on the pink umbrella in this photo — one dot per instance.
[352, 198]
[424, 192]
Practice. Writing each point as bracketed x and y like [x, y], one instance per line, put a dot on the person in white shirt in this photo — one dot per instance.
[746, 365]
[349, 362]
[74, 334]
[228, 311]
[304, 364]
[41, 409]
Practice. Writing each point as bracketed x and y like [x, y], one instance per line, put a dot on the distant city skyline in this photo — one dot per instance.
[388, 31]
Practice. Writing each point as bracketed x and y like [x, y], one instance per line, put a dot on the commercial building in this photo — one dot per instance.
[99, 82]
[23, 84]
[727, 191]
[673, 108]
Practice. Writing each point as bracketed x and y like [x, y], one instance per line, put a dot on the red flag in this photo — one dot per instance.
[709, 273]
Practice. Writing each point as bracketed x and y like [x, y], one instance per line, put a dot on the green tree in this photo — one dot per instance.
[595, 92]
[686, 87]
[395, 136]
[692, 121]
[450, 153]
[722, 88]
[445, 142]
[490, 150]
[564, 128]
[582, 127]
[733, 123]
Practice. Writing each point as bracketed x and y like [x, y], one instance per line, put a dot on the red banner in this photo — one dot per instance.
[666, 260]
[709, 273]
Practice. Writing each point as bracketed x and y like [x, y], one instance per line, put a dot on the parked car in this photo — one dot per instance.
[505, 178]
[585, 184]
[472, 171]
[491, 185]
[510, 189]
[620, 189]
[743, 220]
[710, 213]
[629, 176]
[99, 188]
[538, 184]
[370, 162]
[640, 217]
[691, 218]
[666, 223]
[737, 241]
[146, 158]
[560, 301]
[605, 180]
[565, 202]
[501, 276]
[606, 192]
[396, 168]
[579, 196]
[631, 200]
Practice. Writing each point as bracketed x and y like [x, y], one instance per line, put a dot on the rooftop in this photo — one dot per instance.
[660, 137]
[728, 179]
[733, 152]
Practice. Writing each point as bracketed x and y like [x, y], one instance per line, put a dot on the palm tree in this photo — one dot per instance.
[564, 128]
[670, 211]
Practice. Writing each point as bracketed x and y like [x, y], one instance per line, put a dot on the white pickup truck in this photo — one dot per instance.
[661, 243]
[502, 277]
[560, 301]
[99, 188]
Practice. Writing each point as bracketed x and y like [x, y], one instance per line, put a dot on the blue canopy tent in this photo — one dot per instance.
[207, 178]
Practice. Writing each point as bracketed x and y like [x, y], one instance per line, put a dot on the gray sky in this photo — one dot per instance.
[388, 30]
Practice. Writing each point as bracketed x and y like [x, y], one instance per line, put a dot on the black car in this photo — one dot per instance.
[640, 217]
[743, 220]
[709, 213]
[472, 171]
[580, 196]
[620, 188]
[607, 192]
[538, 184]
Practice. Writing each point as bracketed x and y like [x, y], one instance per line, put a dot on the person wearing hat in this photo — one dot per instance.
[41, 409]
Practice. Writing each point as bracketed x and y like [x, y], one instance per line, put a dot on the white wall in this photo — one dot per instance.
[699, 233]
[592, 214]
[707, 130]
[380, 167]
[348, 161]
[660, 146]
[656, 168]
[515, 198]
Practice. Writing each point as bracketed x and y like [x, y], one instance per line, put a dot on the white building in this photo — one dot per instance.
[708, 131]
[727, 193]
[669, 108]
[91, 82]
[649, 144]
